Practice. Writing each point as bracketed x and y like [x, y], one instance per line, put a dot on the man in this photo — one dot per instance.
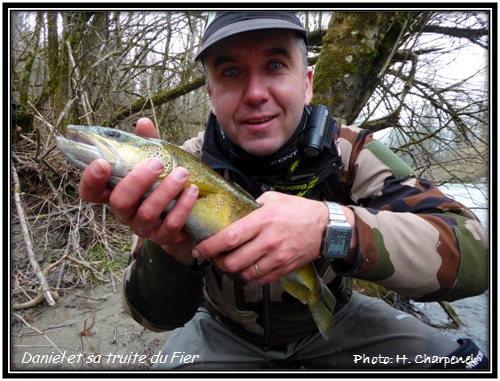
[221, 295]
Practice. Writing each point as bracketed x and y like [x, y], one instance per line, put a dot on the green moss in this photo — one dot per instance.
[345, 52]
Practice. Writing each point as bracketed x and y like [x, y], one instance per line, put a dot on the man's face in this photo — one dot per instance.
[258, 88]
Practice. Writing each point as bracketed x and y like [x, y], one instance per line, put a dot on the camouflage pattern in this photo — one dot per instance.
[412, 239]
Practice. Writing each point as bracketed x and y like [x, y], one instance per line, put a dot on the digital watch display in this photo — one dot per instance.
[337, 235]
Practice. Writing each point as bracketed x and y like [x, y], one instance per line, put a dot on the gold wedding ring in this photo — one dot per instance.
[257, 269]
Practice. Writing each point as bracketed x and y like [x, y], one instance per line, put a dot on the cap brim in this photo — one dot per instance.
[247, 26]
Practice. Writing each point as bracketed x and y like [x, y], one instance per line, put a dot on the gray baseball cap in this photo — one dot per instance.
[221, 25]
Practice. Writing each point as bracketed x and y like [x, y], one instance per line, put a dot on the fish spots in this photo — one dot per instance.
[155, 151]
[159, 152]
[160, 155]
[168, 167]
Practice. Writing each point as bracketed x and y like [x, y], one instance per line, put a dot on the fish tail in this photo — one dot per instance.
[323, 312]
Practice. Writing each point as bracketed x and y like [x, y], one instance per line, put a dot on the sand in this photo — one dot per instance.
[87, 329]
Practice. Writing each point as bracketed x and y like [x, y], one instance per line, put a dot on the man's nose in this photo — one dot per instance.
[256, 90]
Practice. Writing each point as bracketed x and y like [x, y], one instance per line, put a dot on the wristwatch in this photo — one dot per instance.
[337, 234]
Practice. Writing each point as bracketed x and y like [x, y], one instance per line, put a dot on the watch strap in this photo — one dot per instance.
[335, 211]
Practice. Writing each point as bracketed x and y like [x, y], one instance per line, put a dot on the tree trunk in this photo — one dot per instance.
[21, 114]
[355, 49]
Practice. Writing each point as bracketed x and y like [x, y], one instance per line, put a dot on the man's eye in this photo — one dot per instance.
[231, 72]
[276, 65]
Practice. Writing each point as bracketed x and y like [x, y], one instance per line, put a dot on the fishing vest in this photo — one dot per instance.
[267, 315]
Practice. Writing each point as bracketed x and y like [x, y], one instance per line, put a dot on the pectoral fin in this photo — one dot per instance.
[205, 190]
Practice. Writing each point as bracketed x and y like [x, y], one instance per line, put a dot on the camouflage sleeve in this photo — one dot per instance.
[411, 238]
[159, 293]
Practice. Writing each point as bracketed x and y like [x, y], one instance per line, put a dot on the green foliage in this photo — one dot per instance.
[99, 258]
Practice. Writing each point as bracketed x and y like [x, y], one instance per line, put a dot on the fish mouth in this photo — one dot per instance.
[78, 137]
[82, 147]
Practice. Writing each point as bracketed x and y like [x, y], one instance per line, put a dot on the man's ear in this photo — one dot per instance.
[210, 97]
[309, 87]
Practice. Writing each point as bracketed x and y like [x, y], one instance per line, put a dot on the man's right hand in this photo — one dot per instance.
[144, 216]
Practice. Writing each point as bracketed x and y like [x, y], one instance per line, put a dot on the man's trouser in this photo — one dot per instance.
[368, 333]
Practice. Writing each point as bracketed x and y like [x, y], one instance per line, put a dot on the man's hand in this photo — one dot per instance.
[93, 183]
[282, 235]
[144, 217]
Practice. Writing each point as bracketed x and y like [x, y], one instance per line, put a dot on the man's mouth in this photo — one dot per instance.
[259, 121]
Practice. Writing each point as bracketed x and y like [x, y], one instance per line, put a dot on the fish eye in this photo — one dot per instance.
[113, 133]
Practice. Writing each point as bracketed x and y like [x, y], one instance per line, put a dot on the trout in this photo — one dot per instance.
[219, 203]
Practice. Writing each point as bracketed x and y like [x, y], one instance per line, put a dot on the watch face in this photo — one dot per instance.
[338, 241]
[337, 244]
[337, 235]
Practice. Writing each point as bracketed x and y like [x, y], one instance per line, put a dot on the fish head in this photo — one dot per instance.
[122, 150]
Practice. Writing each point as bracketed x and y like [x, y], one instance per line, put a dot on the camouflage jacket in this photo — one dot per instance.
[411, 239]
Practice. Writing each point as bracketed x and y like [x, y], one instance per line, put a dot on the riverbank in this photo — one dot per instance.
[86, 330]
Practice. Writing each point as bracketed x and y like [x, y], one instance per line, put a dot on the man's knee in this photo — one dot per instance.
[467, 356]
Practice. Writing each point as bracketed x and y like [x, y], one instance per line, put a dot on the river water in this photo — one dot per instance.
[474, 312]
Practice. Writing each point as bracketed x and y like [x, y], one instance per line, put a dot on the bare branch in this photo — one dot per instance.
[473, 35]
[27, 240]
[158, 99]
